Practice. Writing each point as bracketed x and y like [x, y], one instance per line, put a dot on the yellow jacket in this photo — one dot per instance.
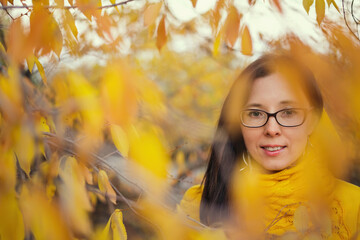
[345, 207]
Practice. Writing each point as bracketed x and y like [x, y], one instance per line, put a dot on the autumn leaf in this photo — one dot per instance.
[194, 2]
[20, 47]
[30, 62]
[120, 139]
[301, 219]
[105, 187]
[74, 199]
[329, 2]
[246, 42]
[45, 34]
[117, 225]
[41, 216]
[277, 4]
[307, 4]
[69, 21]
[232, 25]
[151, 13]
[118, 95]
[161, 34]
[25, 148]
[40, 69]
[320, 10]
[148, 151]
[217, 43]
[216, 14]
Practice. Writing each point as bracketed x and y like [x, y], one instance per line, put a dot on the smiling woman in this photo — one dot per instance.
[263, 177]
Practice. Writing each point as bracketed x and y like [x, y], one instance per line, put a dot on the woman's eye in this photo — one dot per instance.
[289, 113]
[255, 114]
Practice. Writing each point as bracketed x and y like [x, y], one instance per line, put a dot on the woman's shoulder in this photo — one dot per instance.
[190, 203]
[348, 190]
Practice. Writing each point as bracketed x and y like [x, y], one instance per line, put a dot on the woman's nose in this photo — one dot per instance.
[272, 127]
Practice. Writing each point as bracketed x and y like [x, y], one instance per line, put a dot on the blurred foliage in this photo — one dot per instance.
[104, 149]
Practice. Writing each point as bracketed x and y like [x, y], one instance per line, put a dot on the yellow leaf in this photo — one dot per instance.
[120, 139]
[42, 217]
[161, 34]
[73, 196]
[246, 42]
[320, 10]
[194, 2]
[151, 13]
[30, 62]
[307, 4]
[148, 151]
[11, 226]
[117, 225]
[25, 149]
[2, 48]
[301, 219]
[50, 190]
[232, 25]
[118, 94]
[40, 69]
[105, 187]
[217, 44]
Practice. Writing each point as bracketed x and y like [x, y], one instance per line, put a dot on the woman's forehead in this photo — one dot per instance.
[275, 90]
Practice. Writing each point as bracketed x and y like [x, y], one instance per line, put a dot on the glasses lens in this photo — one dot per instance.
[253, 118]
[291, 117]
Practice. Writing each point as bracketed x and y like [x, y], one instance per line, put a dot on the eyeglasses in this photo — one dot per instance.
[289, 117]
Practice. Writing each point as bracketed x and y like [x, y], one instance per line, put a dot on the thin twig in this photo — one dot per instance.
[346, 22]
[66, 7]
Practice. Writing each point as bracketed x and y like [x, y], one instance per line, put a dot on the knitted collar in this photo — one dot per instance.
[298, 200]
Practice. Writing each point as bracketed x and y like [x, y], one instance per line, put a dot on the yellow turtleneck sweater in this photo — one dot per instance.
[303, 201]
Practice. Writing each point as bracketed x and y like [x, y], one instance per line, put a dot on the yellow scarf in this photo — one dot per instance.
[296, 201]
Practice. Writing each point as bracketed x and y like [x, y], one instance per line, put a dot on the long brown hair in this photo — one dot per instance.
[228, 144]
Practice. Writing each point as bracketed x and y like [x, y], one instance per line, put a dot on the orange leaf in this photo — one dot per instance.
[320, 10]
[329, 2]
[151, 13]
[277, 4]
[20, 47]
[307, 4]
[3, 2]
[194, 2]
[246, 43]
[161, 34]
[70, 22]
[232, 25]
[216, 14]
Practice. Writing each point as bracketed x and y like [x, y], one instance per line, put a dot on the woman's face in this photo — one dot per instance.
[272, 146]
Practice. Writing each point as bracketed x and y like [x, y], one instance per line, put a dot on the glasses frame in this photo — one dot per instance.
[268, 115]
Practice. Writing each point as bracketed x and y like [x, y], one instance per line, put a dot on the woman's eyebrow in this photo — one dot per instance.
[254, 105]
[287, 102]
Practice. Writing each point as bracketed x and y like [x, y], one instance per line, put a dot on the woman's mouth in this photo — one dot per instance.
[273, 150]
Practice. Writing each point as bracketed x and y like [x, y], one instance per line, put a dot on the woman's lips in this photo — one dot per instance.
[273, 150]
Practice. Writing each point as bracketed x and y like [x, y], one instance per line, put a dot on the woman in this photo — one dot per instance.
[263, 177]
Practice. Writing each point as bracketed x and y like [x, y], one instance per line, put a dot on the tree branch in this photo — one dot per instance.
[66, 7]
